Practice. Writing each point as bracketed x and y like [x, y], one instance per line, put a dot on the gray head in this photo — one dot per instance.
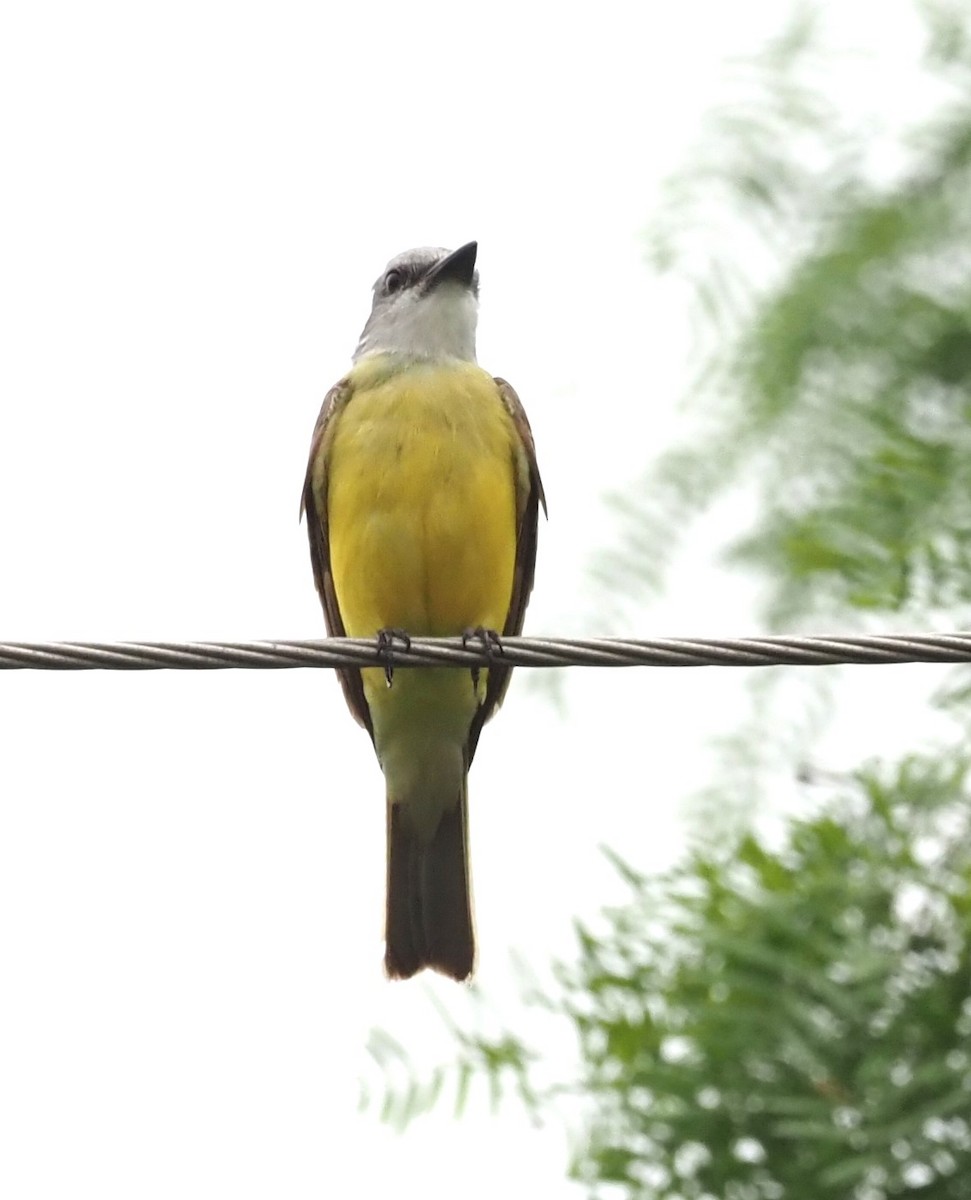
[425, 306]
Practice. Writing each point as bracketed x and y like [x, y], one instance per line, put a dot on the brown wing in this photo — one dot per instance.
[529, 497]
[314, 489]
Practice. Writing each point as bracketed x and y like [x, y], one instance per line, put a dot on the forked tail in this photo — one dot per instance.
[429, 914]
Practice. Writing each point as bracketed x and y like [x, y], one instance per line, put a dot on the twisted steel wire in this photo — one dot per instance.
[515, 651]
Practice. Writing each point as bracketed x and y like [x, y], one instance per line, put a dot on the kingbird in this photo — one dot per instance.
[422, 497]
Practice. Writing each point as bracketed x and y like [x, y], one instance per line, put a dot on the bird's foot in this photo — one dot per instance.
[386, 643]
[491, 643]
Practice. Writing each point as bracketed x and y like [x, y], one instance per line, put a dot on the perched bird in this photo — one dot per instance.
[422, 496]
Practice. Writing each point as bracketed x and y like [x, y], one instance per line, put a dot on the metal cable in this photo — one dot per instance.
[515, 651]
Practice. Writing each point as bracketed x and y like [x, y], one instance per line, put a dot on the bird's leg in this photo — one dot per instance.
[491, 643]
[386, 641]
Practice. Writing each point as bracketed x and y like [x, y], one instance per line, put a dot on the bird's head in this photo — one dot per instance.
[425, 306]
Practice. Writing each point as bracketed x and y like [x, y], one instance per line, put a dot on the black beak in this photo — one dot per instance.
[458, 267]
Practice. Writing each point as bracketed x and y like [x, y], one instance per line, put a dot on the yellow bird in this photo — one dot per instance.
[422, 497]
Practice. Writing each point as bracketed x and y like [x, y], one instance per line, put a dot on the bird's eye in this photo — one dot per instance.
[393, 281]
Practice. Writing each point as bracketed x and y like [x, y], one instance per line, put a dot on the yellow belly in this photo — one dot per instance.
[422, 500]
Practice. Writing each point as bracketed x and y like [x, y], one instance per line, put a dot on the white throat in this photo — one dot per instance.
[439, 324]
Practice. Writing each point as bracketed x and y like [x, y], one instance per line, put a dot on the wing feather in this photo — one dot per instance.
[529, 497]
[314, 504]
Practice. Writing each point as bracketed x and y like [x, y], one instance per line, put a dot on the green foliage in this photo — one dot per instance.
[800, 1025]
[504, 1062]
[780, 1022]
[836, 377]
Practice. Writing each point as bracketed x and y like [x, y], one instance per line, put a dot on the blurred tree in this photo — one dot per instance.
[834, 326]
[796, 1021]
[802, 1025]
[770, 1023]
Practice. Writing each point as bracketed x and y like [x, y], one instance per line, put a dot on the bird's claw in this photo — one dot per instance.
[386, 644]
[491, 643]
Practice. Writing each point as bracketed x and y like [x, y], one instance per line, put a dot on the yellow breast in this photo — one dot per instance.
[421, 500]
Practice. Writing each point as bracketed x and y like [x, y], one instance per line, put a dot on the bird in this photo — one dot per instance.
[422, 497]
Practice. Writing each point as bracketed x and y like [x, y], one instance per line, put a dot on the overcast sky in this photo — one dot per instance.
[196, 199]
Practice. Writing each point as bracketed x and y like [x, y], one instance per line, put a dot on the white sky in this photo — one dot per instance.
[195, 199]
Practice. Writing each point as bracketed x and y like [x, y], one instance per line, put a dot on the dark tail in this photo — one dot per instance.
[429, 917]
